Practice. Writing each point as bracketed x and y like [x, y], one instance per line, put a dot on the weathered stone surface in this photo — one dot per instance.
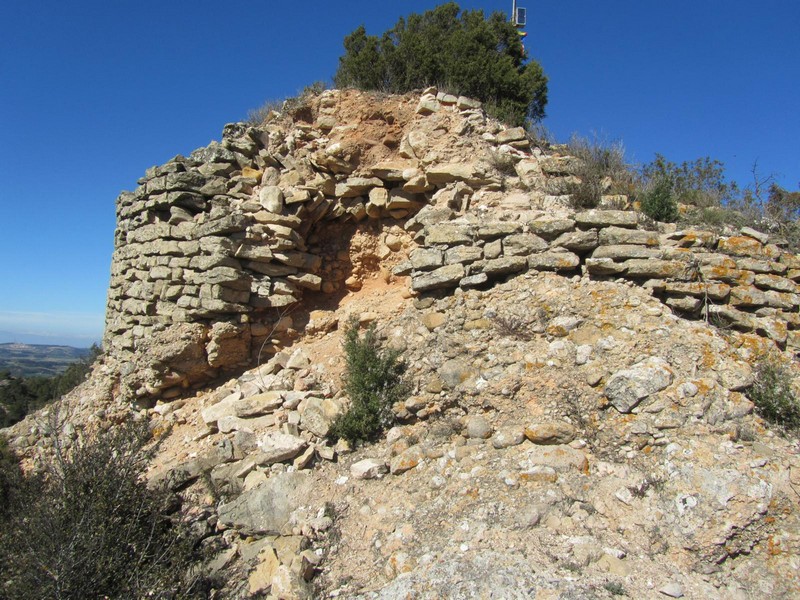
[578, 241]
[462, 254]
[554, 261]
[653, 267]
[747, 246]
[626, 252]
[447, 276]
[615, 236]
[727, 274]
[407, 460]
[692, 239]
[775, 282]
[550, 433]
[714, 291]
[426, 258]
[496, 229]
[447, 173]
[559, 165]
[271, 198]
[448, 233]
[465, 103]
[511, 135]
[318, 415]
[455, 372]
[356, 186]
[560, 458]
[477, 427]
[504, 266]
[686, 304]
[278, 447]
[260, 579]
[550, 229]
[523, 244]
[747, 296]
[507, 437]
[368, 468]
[266, 509]
[604, 266]
[628, 387]
[607, 218]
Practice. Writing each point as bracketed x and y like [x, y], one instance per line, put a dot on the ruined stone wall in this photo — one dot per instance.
[739, 281]
[210, 249]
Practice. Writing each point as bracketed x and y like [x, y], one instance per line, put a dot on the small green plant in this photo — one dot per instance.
[658, 202]
[373, 381]
[773, 395]
[615, 588]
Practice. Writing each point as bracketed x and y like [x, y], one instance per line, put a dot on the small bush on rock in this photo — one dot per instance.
[774, 397]
[373, 381]
[601, 169]
[658, 202]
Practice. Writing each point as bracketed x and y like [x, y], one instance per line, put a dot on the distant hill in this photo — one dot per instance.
[27, 360]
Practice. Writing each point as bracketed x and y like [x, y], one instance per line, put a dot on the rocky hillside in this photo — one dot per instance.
[579, 424]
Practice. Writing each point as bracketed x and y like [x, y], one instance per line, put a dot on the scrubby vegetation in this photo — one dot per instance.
[89, 527]
[658, 201]
[373, 381]
[460, 51]
[21, 395]
[773, 395]
[601, 170]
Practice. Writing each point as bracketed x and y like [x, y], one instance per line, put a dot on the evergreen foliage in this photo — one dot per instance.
[773, 395]
[700, 182]
[373, 382]
[91, 528]
[658, 202]
[463, 52]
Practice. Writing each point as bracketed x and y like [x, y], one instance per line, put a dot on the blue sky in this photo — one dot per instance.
[92, 93]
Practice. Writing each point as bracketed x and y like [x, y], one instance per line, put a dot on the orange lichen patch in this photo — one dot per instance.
[708, 358]
[727, 274]
[753, 345]
[774, 546]
[741, 246]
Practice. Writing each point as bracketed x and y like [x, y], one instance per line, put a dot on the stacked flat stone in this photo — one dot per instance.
[742, 281]
[210, 248]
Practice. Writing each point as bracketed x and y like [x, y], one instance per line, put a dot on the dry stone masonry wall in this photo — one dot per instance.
[213, 248]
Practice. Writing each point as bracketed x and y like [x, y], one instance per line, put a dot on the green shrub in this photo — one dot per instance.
[91, 528]
[699, 182]
[773, 395]
[464, 52]
[373, 381]
[658, 202]
[10, 478]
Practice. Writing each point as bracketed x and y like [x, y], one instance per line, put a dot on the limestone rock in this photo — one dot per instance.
[628, 387]
[368, 468]
[553, 432]
[607, 218]
[266, 509]
[447, 276]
